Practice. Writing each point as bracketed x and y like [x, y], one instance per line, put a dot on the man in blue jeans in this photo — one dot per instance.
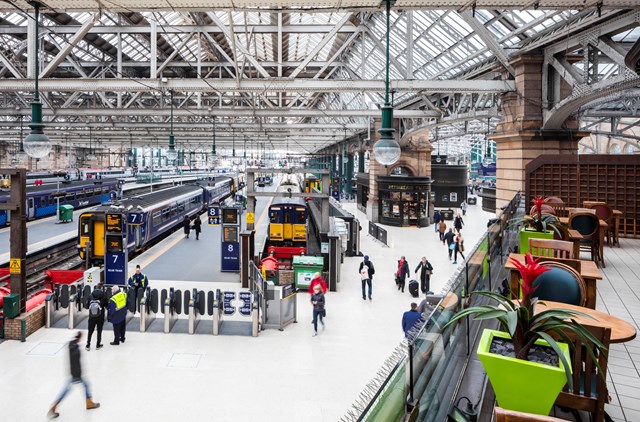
[76, 378]
[366, 271]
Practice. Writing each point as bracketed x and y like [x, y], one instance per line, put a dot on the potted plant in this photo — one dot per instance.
[540, 224]
[522, 379]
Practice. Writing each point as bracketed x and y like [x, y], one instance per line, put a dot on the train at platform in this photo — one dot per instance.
[288, 223]
[43, 200]
[150, 217]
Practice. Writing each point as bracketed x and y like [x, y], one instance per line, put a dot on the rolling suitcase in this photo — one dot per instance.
[414, 288]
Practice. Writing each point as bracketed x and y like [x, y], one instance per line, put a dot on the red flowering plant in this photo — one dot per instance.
[518, 317]
[541, 218]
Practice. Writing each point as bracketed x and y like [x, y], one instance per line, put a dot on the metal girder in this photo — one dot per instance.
[488, 38]
[73, 42]
[255, 85]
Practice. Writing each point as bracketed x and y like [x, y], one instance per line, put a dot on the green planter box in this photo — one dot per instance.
[519, 384]
[526, 234]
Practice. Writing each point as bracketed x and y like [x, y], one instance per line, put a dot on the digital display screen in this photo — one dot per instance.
[114, 243]
[114, 223]
[229, 234]
[230, 216]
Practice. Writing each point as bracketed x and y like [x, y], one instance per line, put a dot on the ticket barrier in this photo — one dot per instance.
[147, 306]
[215, 309]
[171, 307]
[282, 306]
[76, 305]
[195, 304]
[56, 304]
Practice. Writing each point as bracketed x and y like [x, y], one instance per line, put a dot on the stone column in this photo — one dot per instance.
[519, 137]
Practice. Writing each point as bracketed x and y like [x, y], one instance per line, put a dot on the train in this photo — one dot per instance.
[288, 223]
[42, 200]
[312, 182]
[150, 216]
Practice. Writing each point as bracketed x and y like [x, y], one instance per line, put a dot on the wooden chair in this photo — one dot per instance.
[546, 209]
[552, 248]
[504, 415]
[561, 283]
[588, 225]
[590, 386]
[558, 206]
[605, 213]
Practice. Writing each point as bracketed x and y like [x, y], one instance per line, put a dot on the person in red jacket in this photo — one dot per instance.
[317, 279]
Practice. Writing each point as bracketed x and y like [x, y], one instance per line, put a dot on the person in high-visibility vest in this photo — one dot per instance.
[118, 314]
[138, 280]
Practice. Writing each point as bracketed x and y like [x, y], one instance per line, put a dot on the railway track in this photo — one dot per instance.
[62, 256]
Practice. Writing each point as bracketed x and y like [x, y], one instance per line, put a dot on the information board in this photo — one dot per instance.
[231, 216]
[227, 305]
[230, 252]
[114, 223]
[229, 234]
[114, 243]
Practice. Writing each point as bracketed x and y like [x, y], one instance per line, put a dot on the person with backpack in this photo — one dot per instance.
[97, 306]
[366, 275]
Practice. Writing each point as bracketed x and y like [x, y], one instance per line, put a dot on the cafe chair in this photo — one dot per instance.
[605, 213]
[551, 248]
[546, 209]
[561, 283]
[588, 225]
[504, 415]
[589, 385]
[558, 205]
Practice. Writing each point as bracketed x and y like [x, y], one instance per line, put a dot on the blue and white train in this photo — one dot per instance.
[150, 216]
[42, 200]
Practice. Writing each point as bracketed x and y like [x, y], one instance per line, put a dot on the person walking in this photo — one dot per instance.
[463, 207]
[458, 222]
[197, 227]
[76, 378]
[449, 238]
[318, 302]
[97, 306]
[459, 247]
[117, 315]
[402, 273]
[426, 269]
[366, 275]
[436, 220]
[186, 224]
[410, 318]
[442, 228]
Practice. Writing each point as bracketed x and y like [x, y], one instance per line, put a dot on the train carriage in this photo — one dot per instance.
[287, 224]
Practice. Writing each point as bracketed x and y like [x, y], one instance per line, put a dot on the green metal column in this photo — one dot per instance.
[159, 158]
[341, 171]
[348, 186]
[361, 162]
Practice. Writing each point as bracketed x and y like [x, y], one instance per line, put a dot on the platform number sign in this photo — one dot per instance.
[214, 216]
[230, 256]
[135, 218]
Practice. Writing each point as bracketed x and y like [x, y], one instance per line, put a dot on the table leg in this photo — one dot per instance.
[576, 249]
[616, 230]
[601, 246]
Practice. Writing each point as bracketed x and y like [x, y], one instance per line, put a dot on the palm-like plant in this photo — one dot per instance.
[518, 317]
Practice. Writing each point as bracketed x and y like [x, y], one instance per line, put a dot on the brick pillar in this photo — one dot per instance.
[519, 137]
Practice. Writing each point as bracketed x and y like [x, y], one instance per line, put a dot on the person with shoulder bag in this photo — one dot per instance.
[458, 247]
[366, 275]
[402, 273]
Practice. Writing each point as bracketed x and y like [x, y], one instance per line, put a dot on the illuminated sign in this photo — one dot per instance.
[114, 223]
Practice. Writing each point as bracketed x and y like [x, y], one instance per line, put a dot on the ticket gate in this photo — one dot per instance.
[56, 304]
[215, 309]
[147, 306]
[75, 306]
[171, 307]
[195, 304]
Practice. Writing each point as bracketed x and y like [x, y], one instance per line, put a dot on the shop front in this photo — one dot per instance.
[404, 200]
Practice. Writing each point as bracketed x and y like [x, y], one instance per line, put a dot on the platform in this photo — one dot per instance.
[278, 376]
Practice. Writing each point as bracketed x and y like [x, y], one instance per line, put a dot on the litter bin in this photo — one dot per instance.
[66, 213]
[11, 306]
[304, 267]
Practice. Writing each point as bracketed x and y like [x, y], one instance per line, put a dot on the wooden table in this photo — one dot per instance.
[621, 330]
[587, 269]
[603, 227]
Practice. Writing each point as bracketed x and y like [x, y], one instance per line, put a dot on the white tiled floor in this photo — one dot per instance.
[278, 376]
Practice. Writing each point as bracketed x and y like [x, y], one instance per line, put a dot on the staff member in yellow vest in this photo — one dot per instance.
[118, 314]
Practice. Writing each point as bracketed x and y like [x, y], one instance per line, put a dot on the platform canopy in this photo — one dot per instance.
[304, 75]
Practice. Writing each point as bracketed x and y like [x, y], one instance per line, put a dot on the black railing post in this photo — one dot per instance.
[411, 372]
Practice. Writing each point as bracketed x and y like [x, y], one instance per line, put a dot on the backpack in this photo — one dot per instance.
[95, 310]
[364, 272]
